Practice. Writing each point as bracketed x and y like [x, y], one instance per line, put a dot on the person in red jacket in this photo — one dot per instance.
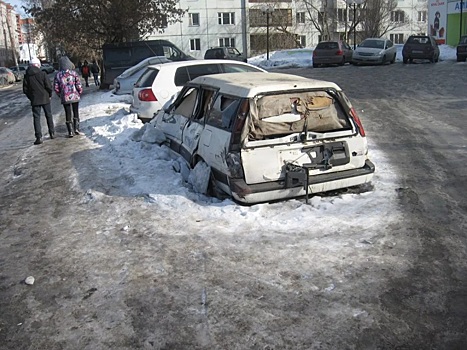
[38, 89]
[85, 72]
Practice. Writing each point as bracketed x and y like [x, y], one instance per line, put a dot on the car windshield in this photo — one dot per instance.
[376, 44]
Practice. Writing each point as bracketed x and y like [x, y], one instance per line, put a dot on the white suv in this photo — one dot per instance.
[160, 82]
[268, 136]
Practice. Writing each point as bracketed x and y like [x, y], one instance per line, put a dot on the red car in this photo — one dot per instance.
[332, 53]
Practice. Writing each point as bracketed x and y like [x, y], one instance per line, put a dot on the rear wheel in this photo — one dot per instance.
[393, 59]
[405, 60]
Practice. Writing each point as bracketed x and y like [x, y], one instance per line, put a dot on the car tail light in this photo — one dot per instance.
[147, 95]
[357, 121]
[339, 52]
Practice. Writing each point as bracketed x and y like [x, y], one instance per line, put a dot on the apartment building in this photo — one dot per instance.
[8, 34]
[246, 24]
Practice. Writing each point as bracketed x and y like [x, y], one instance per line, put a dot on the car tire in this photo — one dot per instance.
[393, 59]
[315, 65]
[384, 61]
[343, 62]
[410, 60]
[405, 60]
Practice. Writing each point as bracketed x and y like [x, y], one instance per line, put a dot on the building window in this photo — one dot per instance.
[397, 38]
[342, 15]
[300, 17]
[227, 42]
[195, 44]
[226, 17]
[397, 16]
[422, 16]
[302, 40]
[194, 19]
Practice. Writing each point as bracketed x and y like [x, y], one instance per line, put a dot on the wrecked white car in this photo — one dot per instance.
[267, 137]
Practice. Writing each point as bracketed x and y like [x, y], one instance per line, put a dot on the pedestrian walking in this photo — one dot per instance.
[85, 72]
[38, 89]
[95, 72]
[67, 86]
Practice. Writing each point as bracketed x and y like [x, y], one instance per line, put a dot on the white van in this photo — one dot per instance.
[268, 136]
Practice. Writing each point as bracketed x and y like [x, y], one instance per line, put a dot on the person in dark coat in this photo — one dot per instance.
[95, 72]
[38, 89]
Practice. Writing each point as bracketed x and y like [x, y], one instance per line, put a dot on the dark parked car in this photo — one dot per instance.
[224, 53]
[332, 52]
[461, 49]
[47, 67]
[420, 47]
[19, 71]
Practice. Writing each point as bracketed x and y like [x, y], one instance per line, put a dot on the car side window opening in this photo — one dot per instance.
[187, 103]
[223, 112]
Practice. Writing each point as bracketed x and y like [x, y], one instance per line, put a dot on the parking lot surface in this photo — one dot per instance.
[100, 284]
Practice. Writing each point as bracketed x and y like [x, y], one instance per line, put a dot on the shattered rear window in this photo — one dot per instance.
[283, 114]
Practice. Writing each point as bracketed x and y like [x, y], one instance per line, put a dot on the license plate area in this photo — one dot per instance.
[322, 157]
[327, 155]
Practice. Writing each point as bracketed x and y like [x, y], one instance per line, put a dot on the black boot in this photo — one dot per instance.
[70, 131]
[38, 141]
[52, 134]
[76, 127]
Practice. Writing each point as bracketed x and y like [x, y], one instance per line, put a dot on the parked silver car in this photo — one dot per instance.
[124, 83]
[374, 51]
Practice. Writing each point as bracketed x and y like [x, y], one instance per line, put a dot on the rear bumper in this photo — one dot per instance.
[145, 114]
[328, 60]
[419, 56]
[277, 190]
[367, 59]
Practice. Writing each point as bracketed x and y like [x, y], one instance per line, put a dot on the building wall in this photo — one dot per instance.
[210, 33]
[8, 35]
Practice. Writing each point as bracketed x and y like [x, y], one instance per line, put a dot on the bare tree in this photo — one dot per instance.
[377, 17]
[322, 15]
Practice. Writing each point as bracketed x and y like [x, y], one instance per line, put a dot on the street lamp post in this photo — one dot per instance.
[267, 9]
[354, 3]
[460, 20]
